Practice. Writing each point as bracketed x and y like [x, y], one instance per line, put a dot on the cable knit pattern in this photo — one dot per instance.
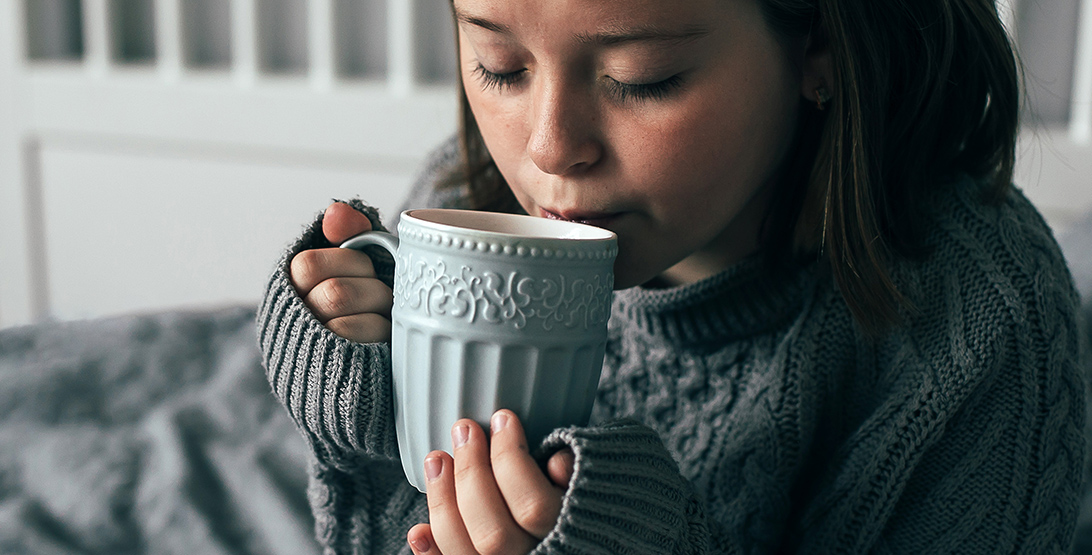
[746, 414]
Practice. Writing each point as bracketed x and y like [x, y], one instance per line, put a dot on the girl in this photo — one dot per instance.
[838, 328]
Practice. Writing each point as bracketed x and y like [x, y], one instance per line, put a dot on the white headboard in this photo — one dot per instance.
[159, 153]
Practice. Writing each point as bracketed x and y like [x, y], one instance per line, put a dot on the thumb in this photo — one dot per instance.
[341, 221]
[560, 468]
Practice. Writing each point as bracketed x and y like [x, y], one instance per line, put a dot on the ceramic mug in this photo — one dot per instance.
[493, 311]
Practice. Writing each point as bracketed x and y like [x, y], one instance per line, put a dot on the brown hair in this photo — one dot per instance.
[923, 90]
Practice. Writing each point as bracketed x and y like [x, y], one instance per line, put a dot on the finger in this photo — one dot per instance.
[341, 221]
[560, 467]
[362, 328]
[421, 541]
[314, 266]
[345, 296]
[444, 518]
[485, 513]
[533, 501]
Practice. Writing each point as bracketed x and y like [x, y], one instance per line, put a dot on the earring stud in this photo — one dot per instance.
[822, 96]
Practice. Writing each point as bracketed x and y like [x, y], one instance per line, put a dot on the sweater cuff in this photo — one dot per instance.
[626, 495]
[337, 391]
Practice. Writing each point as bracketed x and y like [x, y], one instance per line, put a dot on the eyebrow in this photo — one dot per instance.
[643, 34]
[604, 38]
[481, 22]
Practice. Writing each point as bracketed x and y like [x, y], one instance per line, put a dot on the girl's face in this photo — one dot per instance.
[665, 121]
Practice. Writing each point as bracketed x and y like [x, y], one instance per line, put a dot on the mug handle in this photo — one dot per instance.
[369, 238]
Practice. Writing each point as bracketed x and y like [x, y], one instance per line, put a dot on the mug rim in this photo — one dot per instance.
[589, 233]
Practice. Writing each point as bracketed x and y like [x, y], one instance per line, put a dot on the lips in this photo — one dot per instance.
[597, 219]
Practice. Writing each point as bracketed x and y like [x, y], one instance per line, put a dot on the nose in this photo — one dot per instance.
[564, 129]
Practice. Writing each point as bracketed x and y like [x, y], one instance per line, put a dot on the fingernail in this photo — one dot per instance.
[421, 544]
[499, 421]
[460, 434]
[433, 467]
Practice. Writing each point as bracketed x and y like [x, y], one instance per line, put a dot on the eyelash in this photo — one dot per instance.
[659, 90]
[499, 81]
[623, 92]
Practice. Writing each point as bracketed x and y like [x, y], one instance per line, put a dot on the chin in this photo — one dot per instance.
[625, 276]
[620, 284]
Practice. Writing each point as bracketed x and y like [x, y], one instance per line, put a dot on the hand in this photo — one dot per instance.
[492, 498]
[339, 285]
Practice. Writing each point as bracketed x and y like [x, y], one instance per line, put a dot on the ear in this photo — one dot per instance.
[817, 69]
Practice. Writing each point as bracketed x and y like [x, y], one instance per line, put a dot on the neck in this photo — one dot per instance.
[739, 240]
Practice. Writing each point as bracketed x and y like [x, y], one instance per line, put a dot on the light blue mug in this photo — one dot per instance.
[493, 311]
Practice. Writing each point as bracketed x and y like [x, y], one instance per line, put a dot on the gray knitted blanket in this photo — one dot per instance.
[147, 434]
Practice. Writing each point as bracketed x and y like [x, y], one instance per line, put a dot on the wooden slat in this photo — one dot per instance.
[1080, 124]
[16, 287]
[244, 42]
[96, 36]
[401, 66]
[285, 115]
[168, 37]
[320, 36]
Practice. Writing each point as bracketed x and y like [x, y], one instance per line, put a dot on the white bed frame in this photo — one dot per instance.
[137, 186]
[142, 186]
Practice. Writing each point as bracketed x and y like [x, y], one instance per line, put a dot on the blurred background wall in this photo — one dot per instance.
[158, 154]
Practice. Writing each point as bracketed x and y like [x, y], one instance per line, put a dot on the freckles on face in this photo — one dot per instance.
[727, 140]
[659, 120]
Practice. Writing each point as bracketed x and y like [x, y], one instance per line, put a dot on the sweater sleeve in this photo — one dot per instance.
[337, 391]
[340, 395]
[626, 495]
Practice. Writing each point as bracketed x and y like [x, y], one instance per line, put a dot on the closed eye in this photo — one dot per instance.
[624, 92]
[499, 81]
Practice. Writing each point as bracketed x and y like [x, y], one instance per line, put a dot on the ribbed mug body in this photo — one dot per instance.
[489, 321]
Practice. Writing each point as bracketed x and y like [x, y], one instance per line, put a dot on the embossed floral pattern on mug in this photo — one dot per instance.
[513, 299]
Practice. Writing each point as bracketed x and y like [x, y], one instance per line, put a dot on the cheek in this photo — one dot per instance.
[501, 126]
[498, 120]
[681, 157]
[732, 138]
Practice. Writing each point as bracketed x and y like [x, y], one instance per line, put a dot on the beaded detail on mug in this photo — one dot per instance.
[579, 250]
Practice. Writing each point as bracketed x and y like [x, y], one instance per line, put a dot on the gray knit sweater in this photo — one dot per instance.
[745, 413]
